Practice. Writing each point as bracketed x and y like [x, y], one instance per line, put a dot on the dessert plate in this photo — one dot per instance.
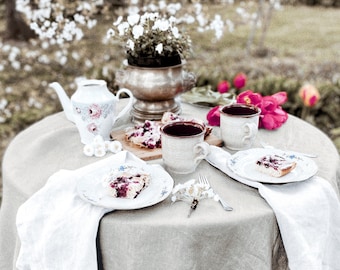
[243, 164]
[91, 189]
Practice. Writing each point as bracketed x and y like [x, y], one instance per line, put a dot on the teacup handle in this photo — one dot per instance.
[128, 106]
[202, 150]
[251, 131]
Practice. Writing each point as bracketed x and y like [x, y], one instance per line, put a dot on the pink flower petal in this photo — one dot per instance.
[249, 97]
[213, 116]
[280, 97]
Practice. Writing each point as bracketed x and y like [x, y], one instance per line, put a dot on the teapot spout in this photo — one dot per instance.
[64, 100]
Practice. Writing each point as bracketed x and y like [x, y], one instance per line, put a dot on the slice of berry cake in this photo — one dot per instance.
[126, 182]
[147, 135]
[275, 165]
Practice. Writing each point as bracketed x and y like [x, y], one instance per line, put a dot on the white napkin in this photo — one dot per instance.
[57, 229]
[308, 215]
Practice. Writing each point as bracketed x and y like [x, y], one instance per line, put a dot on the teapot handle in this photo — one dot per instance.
[128, 106]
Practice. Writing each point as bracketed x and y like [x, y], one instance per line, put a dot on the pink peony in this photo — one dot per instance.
[249, 97]
[213, 116]
[272, 116]
[223, 87]
[240, 80]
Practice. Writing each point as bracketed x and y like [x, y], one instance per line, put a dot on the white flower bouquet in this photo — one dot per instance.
[151, 35]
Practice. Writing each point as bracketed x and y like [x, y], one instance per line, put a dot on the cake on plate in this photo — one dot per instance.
[275, 165]
[126, 181]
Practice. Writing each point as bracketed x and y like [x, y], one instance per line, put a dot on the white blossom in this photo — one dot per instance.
[130, 44]
[28, 68]
[91, 23]
[105, 71]
[133, 19]
[16, 65]
[191, 190]
[79, 18]
[88, 63]
[99, 147]
[122, 28]
[3, 103]
[75, 55]
[159, 48]
[137, 31]
[88, 150]
[162, 4]
[115, 147]
[118, 21]
[162, 25]
[99, 151]
[175, 32]
[172, 8]
[8, 90]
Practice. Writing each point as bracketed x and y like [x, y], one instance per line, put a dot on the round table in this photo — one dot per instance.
[161, 236]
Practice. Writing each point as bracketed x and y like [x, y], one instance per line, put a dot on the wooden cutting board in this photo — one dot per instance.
[150, 154]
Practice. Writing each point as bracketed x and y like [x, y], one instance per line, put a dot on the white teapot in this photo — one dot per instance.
[92, 108]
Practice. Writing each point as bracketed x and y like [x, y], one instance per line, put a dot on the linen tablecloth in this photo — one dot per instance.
[162, 236]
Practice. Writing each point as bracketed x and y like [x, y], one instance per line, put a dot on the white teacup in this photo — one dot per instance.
[183, 146]
[239, 125]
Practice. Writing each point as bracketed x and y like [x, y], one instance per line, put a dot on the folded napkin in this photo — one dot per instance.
[58, 229]
[308, 215]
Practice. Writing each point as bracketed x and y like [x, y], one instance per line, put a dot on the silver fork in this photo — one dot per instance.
[203, 180]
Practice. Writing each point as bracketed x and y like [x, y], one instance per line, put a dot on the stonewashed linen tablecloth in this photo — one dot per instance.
[162, 236]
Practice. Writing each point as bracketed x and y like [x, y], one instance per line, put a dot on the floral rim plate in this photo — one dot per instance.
[90, 188]
[243, 164]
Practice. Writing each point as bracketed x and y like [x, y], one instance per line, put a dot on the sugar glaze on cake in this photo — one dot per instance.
[275, 165]
[126, 181]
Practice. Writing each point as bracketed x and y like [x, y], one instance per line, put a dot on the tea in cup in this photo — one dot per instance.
[183, 146]
[239, 125]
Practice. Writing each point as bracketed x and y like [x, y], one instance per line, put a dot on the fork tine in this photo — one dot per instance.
[206, 181]
[203, 180]
[200, 179]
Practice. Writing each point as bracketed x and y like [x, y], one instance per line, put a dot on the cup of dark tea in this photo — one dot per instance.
[183, 146]
[239, 125]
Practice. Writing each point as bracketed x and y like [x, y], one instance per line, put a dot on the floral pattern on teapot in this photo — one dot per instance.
[91, 113]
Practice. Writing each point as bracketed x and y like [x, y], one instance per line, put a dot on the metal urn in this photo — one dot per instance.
[155, 90]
